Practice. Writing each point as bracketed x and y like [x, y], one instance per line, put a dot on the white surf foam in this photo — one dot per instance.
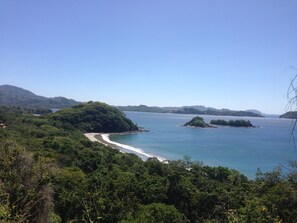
[105, 137]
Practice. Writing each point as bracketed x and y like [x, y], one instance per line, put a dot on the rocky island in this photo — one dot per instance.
[198, 122]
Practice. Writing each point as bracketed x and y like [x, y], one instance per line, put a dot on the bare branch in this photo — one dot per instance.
[292, 102]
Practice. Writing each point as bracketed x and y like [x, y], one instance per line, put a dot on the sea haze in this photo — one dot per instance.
[243, 149]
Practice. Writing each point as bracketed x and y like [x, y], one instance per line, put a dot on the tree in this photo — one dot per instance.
[25, 192]
[157, 213]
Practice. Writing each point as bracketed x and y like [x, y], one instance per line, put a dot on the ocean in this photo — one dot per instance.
[267, 146]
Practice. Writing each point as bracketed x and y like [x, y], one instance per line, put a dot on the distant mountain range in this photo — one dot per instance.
[197, 109]
[18, 97]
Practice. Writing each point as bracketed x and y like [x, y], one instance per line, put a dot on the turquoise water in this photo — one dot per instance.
[244, 149]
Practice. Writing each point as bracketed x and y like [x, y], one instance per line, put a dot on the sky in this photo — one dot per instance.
[217, 53]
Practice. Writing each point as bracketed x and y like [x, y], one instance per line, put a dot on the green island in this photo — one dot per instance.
[198, 122]
[50, 172]
[232, 123]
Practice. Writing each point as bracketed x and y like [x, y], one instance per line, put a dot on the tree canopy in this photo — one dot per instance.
[18, 97]
[95, 117]
[50, 172]
[232, 123]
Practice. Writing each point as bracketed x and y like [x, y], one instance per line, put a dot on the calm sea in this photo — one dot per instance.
[243, 149]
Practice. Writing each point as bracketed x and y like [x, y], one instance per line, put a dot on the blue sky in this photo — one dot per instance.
[224, 54]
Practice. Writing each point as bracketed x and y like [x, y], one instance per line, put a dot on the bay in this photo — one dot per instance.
[244, 149]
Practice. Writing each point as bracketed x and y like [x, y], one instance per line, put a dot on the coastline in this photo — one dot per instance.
[103, 138]
[97, 137]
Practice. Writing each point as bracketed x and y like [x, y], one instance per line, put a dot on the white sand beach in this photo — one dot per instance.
[91, 137]
[103, 138]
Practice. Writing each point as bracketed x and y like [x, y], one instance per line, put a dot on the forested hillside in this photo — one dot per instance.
[50, 172]
[95, 117]
[18, 97]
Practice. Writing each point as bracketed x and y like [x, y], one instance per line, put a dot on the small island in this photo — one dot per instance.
[198, 122]
[233, 123]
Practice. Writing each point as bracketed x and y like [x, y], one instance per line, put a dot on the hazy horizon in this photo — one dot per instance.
[234, 55]
[169, 106]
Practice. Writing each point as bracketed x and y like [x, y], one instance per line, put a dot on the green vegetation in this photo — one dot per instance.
[50, 172]
[94, 117]
[18, 97]
[233, 123]
[197, 122]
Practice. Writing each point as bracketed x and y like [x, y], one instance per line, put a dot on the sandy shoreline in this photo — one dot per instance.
[97, 137]
[103, 138]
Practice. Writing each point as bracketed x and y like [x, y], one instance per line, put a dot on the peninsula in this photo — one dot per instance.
[95, 117]
[289, 115]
